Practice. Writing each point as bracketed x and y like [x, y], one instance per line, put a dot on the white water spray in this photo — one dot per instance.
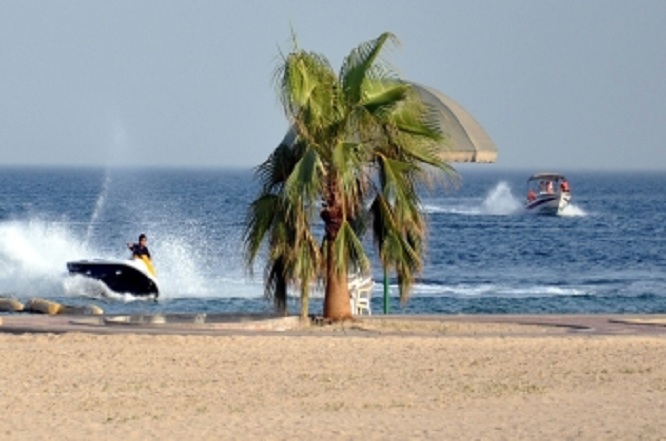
[99, 206]
[501, 201]
[33, 254]
[572, 210]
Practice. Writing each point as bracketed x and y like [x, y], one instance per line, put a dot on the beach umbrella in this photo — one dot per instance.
[464, 138]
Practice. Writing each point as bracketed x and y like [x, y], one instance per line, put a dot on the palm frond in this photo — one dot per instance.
[381, 98]
[303, 186]
[258, 223]
[275, 284]
[349, 251]
[308, 92]
[275, 170]
[361, 64]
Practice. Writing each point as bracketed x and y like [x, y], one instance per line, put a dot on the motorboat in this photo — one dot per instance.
[547, 193]
[130, 276]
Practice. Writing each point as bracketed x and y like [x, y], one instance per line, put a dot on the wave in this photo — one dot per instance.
[459, 209]
[473, 290]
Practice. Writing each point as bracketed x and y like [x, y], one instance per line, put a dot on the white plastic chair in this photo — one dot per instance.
[360, 294]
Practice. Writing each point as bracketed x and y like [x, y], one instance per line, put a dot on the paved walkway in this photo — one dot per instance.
[201, 324]
[582, 324]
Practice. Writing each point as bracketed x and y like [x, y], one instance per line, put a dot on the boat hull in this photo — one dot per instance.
[549, 204]
[120, 276]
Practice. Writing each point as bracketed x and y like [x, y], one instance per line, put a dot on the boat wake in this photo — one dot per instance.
[573, 210]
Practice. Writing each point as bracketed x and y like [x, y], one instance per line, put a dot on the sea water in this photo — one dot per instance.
[606, 254]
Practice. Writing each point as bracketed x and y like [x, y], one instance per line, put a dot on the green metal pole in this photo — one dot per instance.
[386, 293]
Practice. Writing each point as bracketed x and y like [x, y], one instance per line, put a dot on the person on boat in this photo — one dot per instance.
[549, 187]
[531, 195]
[564, 186]
[140, 251]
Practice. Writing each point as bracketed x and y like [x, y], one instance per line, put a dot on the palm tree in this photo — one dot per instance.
[363, 143]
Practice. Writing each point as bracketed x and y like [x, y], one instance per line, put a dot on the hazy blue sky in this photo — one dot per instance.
[558, 85]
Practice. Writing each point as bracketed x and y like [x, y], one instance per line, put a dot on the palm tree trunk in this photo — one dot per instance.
[336, 299]
[305, 304]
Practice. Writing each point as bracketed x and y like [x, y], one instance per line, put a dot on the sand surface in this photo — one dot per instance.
[409, 380]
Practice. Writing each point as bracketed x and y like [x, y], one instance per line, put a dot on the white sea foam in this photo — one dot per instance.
[33, 255]
[573, 210]
[501, 201]
[472, 290]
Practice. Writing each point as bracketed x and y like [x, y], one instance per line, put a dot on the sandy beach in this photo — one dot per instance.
[380, 380]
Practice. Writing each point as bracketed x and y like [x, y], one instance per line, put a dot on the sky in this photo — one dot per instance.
[557, 84]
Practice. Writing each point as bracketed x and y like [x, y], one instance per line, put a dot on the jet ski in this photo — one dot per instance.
[132, 276]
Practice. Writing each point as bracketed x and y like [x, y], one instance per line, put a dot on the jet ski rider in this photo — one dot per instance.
[139, 249]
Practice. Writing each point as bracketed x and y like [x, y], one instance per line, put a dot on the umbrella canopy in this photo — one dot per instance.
[465, 140]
